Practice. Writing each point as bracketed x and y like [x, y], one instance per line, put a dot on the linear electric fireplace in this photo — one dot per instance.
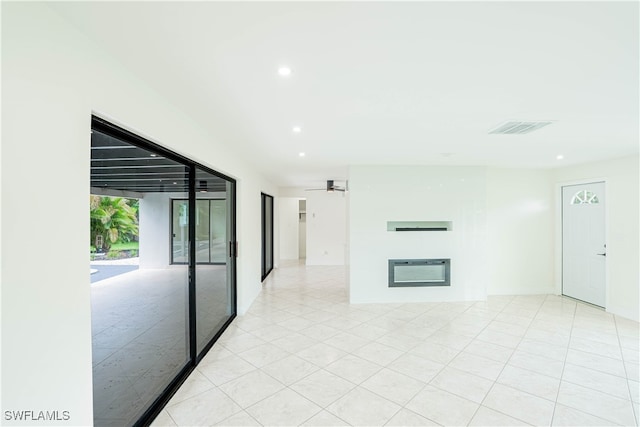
[419, 272]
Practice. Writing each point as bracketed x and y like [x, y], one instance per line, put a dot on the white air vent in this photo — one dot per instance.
[513, 127]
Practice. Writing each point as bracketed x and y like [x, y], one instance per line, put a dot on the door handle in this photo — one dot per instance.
[233, 249]
[604, 254]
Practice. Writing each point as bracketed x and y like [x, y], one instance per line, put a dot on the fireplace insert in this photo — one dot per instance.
[419, 272]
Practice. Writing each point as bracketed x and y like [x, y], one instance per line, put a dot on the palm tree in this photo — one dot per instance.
[113, 219]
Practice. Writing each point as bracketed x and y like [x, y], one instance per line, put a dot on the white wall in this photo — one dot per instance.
[249, 232]
[622, 217]
[155, 229]
[52, 80]
[519, 239]
[293, 192]
[288, 233]
[520, 224]
[417, 193]
[326, 228]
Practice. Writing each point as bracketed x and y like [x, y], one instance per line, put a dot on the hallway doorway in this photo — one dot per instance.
[302, 229]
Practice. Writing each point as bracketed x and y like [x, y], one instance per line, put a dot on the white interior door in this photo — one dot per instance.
[584, 242]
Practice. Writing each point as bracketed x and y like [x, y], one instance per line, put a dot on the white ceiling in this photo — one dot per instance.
[387, 82]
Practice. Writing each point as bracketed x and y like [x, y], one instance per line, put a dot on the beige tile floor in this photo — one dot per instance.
[303, 355]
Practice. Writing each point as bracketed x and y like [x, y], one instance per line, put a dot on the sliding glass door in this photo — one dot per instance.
[153, 321]
[267, 235]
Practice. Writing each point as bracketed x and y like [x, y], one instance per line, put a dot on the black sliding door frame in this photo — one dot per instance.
[194, 357]
[267, 234]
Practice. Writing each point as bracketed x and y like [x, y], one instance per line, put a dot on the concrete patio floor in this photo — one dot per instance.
[140, 334]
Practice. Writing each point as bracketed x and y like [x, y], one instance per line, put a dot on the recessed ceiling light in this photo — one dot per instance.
[301, 154]
[296, 129]
[153, 155]
[559, 157]
[284, 71]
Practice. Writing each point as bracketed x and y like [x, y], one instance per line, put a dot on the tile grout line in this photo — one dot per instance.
[370, 376]
[564, 364]
[445, 365]
[457, 354]
[322, 408]
[494, 382]
[404, 407]
[506, 363]
[401, 407]
[285, 386]
[405, 352]
[299, 305]
[427, 383]
[624, 366]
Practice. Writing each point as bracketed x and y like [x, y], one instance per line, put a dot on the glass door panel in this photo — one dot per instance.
[139, 318]
[214, 297]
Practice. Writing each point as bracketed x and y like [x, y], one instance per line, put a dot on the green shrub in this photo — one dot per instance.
[133, 253]
[113, 254]
[113, 219]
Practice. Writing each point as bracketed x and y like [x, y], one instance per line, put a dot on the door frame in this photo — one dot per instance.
[558, 231]
[270, 225]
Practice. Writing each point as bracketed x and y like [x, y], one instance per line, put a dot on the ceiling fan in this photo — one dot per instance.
[331, 187]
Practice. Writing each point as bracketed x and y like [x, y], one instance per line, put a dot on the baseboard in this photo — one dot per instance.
[551, 290]
[628, 313]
